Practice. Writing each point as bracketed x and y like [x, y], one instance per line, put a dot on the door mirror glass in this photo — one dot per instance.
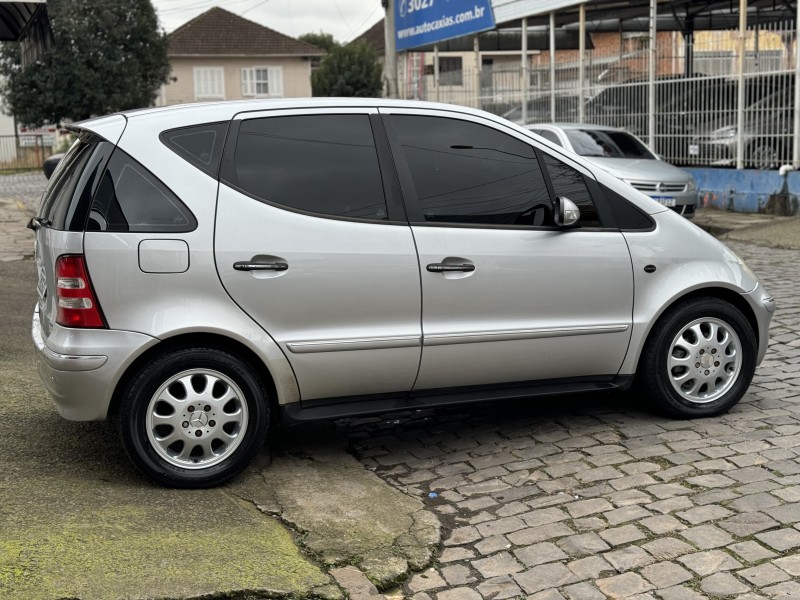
[567, 212]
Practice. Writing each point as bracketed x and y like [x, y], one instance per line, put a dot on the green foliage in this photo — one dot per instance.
[351, 70]
[107, 57]
[323, 41]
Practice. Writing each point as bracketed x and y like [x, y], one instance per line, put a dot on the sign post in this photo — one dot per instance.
[424, 22]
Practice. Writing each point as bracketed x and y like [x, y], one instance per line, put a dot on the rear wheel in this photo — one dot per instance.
[764, 155]
[699, 359]
[194, 417]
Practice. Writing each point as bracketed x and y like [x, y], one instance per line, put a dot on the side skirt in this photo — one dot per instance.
[357, 406]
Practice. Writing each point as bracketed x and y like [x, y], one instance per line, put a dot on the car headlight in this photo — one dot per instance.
[724, 133]
[692, 185]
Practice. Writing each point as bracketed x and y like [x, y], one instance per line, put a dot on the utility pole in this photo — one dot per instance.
[390, 52]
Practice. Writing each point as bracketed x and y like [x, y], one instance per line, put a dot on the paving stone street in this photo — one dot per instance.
[594, 497]
[584, 497]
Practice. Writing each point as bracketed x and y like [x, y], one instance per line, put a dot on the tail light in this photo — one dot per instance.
[77, 303]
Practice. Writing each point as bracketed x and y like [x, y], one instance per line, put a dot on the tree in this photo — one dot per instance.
[323, 41]
[107, 57]
[351, 70]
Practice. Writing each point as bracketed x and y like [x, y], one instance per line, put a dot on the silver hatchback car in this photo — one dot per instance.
[206, 269]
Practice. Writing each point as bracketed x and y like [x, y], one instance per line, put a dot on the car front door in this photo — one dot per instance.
[313, 243]
[507, 296]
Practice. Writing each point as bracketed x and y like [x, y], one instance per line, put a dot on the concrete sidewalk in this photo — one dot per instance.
[752, 228]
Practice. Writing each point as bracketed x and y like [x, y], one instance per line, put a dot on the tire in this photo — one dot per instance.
[193, 417]
[680, 368]
[763, 155]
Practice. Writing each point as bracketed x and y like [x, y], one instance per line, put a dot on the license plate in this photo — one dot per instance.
[694, 149]
[665, 200]
[41, 286]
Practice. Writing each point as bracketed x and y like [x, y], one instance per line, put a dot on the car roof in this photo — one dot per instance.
[228, 108]
[566, 126]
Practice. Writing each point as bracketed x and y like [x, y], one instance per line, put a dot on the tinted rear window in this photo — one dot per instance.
[69, 193]
[607, 143]
[325, 164]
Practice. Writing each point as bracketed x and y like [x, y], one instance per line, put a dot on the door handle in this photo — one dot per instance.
[448, 268]
[256, 266]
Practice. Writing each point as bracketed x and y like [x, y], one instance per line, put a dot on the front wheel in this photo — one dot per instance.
[699, 359]
[764, 155]
[193, 417]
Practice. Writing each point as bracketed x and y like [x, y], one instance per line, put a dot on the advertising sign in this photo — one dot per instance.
[423, 22]
[36, 136]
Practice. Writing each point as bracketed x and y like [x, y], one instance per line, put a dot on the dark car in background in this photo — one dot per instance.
[767, 134]
[539, 110]
[50, 164]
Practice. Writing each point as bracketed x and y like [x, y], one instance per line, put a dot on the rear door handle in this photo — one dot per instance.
[448, 268]
[256, 266]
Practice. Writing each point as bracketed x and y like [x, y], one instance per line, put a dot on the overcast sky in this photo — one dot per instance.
[345, 19]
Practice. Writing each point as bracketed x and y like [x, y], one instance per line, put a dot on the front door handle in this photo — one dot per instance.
[257, 266]
[448, 268]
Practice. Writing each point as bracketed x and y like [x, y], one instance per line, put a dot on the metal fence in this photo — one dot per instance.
[720, 98]
[23, 152]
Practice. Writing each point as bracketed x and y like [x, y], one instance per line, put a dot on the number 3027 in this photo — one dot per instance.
[415, 5]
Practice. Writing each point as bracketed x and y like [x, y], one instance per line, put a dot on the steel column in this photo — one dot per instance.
[581, 60]
[553, 67]
[796, 124]
[741, 91]
[523, 78]
[651, 81]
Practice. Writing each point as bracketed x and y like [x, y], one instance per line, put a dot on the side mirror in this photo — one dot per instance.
[567, 213]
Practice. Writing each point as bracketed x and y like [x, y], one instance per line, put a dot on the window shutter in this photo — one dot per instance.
[276, 81]
[247, 82]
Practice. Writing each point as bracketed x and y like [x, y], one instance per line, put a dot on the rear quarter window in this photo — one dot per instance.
[130, 198]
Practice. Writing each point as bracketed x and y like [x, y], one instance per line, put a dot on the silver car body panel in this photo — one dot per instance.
[158, 304]
[81, 367]
[110, 127]
[357, 331]
[687, 259]
[524, 308]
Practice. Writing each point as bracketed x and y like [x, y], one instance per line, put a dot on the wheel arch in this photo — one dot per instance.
[733, 297]
[205, 339]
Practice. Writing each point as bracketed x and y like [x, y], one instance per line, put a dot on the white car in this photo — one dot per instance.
[625, 156]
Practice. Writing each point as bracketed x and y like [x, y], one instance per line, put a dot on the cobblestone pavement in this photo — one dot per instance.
[593, 497]
[19, 198]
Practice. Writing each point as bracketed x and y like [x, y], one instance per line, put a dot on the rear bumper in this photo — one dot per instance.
[81, 367]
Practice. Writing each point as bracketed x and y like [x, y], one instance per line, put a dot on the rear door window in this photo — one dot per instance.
[323, 164]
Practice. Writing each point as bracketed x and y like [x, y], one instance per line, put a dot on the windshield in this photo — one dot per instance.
[607, 143]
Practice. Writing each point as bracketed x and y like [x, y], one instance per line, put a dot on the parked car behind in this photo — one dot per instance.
[767, 134]
[50, 164]
[625, 156]
[539, 110]
[204, 268]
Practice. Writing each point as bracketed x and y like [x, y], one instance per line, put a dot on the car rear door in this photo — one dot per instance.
[311, 240]
[507, 296]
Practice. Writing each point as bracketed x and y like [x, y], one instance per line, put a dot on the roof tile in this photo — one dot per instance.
[218, 32]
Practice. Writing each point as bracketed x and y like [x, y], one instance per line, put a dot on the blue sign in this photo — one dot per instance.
[424, 22]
